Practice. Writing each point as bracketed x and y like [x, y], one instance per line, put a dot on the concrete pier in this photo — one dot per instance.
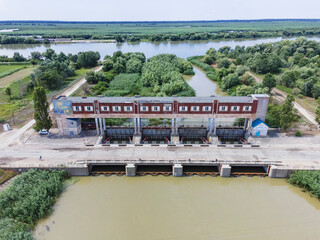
[130, 170]
[225, 170]
[175, 139]
[136, 139]
[177, 170]
[276, 172]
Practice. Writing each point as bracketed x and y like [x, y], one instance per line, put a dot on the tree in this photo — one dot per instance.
[41, 110]
[36, 56]
[269, 81]
[88, 59]
[8, 92]
[95, 77]
[17, 57]
[287, 116]
[318, 112]
[107, 65]
[224, 63]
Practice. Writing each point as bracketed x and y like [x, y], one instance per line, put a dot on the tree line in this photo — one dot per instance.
[132, 37]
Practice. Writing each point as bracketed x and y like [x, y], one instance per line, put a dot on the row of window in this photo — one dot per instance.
[165, 108]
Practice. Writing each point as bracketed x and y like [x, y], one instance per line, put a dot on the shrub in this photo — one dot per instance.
[298, 134]
[308, 180]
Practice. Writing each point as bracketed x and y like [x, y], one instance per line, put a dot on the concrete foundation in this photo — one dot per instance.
[130, 170]
[177, 170]
[136, 139]
[175, 139]
[225, 170]
[275, 172]
[213, 140]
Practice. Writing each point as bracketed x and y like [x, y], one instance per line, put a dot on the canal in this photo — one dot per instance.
[182, 208]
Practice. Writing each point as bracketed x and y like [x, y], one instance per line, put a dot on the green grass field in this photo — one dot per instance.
[6, 70]
[55, 28]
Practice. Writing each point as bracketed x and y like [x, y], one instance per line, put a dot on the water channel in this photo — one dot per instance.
[182, 49]
[182, 208]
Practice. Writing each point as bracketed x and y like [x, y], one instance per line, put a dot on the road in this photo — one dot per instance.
[281, 96]
[13, 136]
[287, 151]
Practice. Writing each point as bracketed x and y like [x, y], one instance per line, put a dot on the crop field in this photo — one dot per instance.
[105, 28]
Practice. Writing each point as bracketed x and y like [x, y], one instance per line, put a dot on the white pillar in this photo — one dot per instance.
[246, 124]
[177, 170]
[214, 126]
[97, 126]
[101, 127]
[176, 126]
[104, 124]
[172, 127]
[225, 170]
[130, 170]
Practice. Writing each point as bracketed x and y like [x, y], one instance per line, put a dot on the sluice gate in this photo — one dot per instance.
[186, 169]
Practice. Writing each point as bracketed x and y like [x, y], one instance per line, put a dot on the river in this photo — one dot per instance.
[182, 49]
[187, 208]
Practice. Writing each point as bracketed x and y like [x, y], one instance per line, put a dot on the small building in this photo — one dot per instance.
[259, 128]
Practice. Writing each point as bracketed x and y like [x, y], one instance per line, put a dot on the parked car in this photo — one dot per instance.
[44, 132]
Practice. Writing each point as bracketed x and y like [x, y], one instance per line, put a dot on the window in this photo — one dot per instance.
[155, 108]
[235, 108]
[116, 108]
[88, 108]
[183, 109]
[128, 108]
[206, 108]
[105, 108]
[76, 108]
[223, 108]
[144, 109]
[194, 108]
[167, 108]
[247, 108]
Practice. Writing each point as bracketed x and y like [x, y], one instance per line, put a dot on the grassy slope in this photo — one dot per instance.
[156, 27]
[6, 81]
[6, 70]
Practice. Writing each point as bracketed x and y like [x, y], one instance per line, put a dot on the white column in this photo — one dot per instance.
[176, 126]
[97, 126]
[101, 127]
[104, 124]
[139, 125]
[246, 124]
[214, 126]
[172, 126]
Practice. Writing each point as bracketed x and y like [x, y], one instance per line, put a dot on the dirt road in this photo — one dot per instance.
[13, 136]
[281, 96]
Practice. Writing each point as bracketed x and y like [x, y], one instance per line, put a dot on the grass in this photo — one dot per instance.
[21, 74]
[105, 28]
[6, 70]
[307, 180]
[6, 175]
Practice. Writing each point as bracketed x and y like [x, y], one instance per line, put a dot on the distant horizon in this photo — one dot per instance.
[166, 21]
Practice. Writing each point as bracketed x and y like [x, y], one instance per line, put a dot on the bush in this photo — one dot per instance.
[308, 180]
[298, 134]
[29, 198]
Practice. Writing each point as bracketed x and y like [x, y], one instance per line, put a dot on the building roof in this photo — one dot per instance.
[228, 99]
[257, 122]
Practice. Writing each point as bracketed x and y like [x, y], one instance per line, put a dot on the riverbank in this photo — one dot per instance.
[29, 198]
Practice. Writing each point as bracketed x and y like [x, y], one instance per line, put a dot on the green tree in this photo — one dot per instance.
[269, 81]
[88, 59]
[287, 116]
[95, 77]
[41, 110]
[8, 91]
[318, 112]
[224, 63]
[107, 65]
[17, 57]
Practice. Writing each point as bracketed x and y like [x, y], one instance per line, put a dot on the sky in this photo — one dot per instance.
[156, 10]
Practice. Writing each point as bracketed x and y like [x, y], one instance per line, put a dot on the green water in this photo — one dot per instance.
[182, 208]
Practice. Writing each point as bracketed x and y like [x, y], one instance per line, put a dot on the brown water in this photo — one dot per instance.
[185, 208]
[202, 85]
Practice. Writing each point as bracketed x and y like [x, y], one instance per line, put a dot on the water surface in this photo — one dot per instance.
[187, 208]
[182, 49]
